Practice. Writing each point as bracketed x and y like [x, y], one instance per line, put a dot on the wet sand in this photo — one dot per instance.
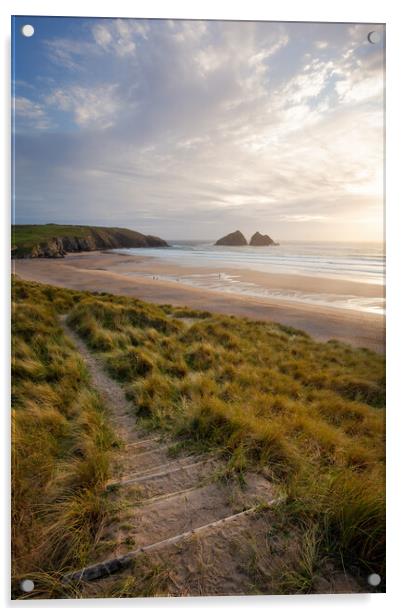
[132, 275]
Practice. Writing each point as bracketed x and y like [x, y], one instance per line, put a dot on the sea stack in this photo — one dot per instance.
[232, 239]
[262, 240]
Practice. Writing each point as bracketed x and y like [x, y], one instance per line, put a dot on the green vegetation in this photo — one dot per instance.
[260, 394]
[38, 240]
[26, 236]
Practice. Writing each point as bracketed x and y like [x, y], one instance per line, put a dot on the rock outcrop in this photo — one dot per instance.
[262, 240]
[237, 239]
[232, 239]
[82, 239]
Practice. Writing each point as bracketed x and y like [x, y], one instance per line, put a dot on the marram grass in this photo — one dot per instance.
[60, 443]
[260, 394]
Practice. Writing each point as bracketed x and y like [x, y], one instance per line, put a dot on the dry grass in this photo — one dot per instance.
[60, 442]
[261, 394]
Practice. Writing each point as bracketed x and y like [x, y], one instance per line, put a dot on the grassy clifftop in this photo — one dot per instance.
[261, 394]
[56, 240]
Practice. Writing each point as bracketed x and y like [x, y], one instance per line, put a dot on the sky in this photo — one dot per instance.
[193, 129]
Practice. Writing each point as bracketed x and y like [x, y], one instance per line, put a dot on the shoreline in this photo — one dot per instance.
[298, 282]
[132, 276]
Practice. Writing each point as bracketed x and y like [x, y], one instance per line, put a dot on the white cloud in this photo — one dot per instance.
[91, 107]
[354, 90]
[69, 53]
[119, 36]
[102, 35]
[30, 114]
[304, 218]
[309, 83]
[213, 123]
[113, 37]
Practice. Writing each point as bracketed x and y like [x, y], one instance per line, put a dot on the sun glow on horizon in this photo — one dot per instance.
[196, 128]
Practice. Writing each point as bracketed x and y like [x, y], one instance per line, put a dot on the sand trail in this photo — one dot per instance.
[160, 500]
[181, 512]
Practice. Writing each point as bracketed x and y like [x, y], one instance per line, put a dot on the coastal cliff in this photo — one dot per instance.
[55, 241]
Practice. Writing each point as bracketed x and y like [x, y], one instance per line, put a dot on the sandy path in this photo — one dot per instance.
[113, 395]
[165, 501]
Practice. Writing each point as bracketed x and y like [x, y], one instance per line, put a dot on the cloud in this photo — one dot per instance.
[102, 35]
[69, 53]
[117, 36]
[304, 218]
[354, 90]
[193, 127]
[95, 107]
[30, 114]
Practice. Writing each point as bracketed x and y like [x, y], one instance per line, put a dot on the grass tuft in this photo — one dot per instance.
[61, 442]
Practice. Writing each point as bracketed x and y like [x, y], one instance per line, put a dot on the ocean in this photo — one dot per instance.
[353, 262]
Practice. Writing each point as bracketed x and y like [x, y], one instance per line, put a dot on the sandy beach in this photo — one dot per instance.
[139, 277]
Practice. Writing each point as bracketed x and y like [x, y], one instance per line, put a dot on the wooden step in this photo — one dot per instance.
[150, 520]
[143, 442]
[182, 478]
[166, 496]
[142, 453]
[156, 520]
[149, 458]
[156, 471]
[109, 567]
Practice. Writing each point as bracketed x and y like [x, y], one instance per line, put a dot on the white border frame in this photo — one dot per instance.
[285, 10]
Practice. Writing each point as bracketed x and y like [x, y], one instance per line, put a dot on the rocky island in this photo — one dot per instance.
[232, 239]
[55, 241]
[262, 240]
[237, 239]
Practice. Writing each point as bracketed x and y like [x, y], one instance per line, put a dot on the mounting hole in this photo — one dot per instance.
[374, 37]
[374, 579]
[27, 585]
[27, 30]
